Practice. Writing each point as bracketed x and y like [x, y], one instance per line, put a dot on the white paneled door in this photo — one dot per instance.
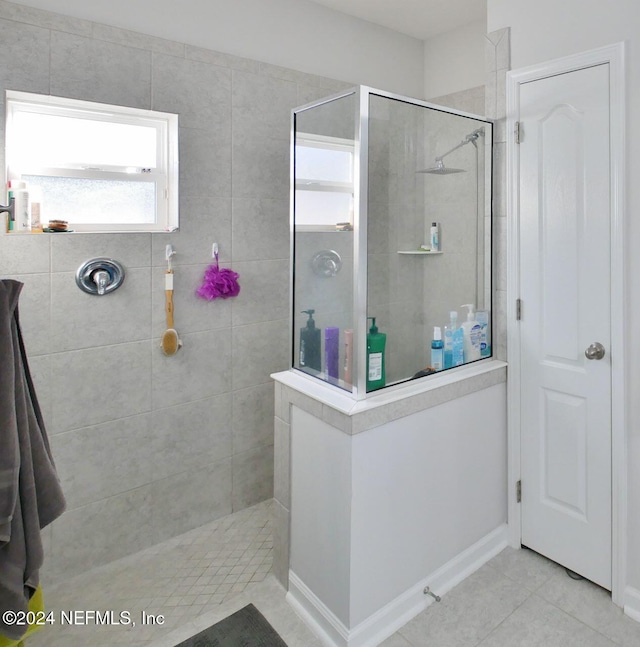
[565, 269]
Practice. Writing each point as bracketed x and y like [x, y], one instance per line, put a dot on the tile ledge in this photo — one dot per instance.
[346, 405]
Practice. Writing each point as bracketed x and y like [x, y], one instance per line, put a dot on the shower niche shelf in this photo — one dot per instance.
[418, 252]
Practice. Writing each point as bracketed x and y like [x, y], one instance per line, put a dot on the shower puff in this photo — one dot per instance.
[218, 283]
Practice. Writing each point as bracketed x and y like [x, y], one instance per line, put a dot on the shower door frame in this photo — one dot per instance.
[360, 227]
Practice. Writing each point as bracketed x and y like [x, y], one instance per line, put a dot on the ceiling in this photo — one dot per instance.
[421, 19]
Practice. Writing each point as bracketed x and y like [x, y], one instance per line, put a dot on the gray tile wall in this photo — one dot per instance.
[149, 446]
[490, 101]
[471, 100]
[498, 63]
[396, 222]
[456, 277]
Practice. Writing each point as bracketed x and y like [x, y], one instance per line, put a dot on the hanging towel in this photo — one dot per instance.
[36, 606]
[30, 493]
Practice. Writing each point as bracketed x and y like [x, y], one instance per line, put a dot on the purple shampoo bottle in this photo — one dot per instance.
[331, 351]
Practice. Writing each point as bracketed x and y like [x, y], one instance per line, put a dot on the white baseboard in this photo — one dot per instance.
[321, 620]
[632, 603]
[388, 619]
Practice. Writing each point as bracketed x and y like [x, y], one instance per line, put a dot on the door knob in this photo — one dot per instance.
[595, 351]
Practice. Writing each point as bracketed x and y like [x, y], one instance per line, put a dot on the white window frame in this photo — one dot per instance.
[165, 174]
[313, 140]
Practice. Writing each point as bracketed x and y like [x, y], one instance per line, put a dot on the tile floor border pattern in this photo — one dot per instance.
[517, 599]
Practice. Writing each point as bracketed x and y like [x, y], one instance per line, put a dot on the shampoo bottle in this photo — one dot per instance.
[331, 351]
[310, 344]
[376, 341]
[472, 332]
[35, 219]
[348, 356]
[21, 207]
[482, 317]
[448, 339]
[435, 237]
[458, 347]
[437, 352]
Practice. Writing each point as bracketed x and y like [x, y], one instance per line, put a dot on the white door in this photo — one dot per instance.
[565, 272]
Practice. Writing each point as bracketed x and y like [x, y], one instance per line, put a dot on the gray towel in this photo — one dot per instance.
[30, 493]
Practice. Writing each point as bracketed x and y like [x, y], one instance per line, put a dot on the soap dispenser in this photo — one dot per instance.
[310, 344]
[376, 342]
[472, 332]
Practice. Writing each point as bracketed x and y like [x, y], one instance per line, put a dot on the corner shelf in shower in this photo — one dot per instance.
[418, 252]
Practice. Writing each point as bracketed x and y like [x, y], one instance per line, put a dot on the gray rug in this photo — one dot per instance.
[244, 628]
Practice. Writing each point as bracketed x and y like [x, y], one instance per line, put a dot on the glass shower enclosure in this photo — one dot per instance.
[390, 239]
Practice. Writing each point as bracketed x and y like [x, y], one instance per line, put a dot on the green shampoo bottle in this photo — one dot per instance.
[376, 341]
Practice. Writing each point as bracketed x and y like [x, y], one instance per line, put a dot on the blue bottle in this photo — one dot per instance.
[437, 350]
[448, 338]
[458, 347]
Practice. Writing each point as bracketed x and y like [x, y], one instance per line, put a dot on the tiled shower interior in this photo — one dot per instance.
[178, 579]
[150, 447]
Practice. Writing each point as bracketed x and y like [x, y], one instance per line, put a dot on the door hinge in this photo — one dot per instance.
[518, 309]
[518, 491]
[517, 131]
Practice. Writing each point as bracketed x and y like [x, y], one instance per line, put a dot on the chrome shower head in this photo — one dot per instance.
[441, 169]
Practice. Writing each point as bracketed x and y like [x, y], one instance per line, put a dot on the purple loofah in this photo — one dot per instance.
[218, 283]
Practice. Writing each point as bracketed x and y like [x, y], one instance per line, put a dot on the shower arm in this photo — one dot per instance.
[469, 139]
[455, 148]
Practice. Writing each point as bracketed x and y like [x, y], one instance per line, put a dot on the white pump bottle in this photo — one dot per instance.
[472, 334]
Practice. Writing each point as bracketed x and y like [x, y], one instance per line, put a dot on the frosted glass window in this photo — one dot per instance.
[323, 180]
[323, 207]
[97, 166]
[93, 201]
[66, 142]
[324, 164]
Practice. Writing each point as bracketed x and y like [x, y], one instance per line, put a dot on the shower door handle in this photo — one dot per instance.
[595, 351]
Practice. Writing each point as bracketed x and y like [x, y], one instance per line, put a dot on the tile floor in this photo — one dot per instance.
[180, 578]
[518, 599]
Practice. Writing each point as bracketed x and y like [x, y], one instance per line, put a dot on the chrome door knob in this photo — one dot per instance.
[595, 351]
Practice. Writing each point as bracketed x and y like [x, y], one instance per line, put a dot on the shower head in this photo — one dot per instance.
[440, 169]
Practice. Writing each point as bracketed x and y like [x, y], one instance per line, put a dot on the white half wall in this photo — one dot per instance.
[425, 488]
[454, 61]
[321, 510]
[375, 514]
[297, 34]
[546, 30]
